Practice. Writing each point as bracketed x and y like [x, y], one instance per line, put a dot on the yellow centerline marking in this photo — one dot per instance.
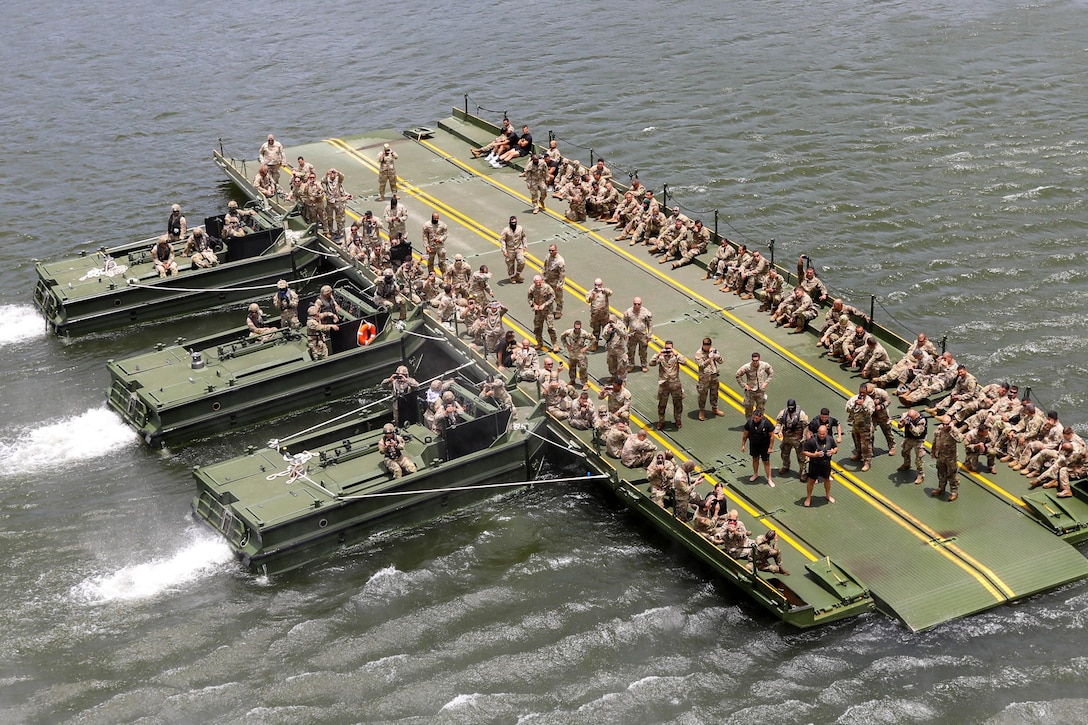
[889, 509]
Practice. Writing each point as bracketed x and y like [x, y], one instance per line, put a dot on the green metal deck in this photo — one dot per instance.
[925, 560]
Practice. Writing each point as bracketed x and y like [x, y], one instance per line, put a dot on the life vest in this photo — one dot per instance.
[367, 333]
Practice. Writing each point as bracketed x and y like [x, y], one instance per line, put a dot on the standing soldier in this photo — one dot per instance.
[944, 450]
[881, 418]
[707, 358]
[615, 343]
[272, 156]
[542, 300]
[315, 332]
[512, 243]
[396, 215]
[668, 363]
[859, 414]
[459, 276]
[480, 284]
[639, 322]
[286, 301]
[792, 422]
[337, 197]
[754, 379]
[576, 340]
[536, 179]
[914, 430]
[555, 274]
[313, 198]
[597, 299]
[177, 228]
[434, 240]
[391, 447]
[387, 171]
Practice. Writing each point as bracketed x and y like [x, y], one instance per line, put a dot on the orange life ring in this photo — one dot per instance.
[367, 332]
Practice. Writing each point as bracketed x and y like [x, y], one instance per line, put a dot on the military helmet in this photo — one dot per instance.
[254, 307]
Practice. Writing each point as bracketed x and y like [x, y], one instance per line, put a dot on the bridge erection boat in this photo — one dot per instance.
[116, 286]
[885, 542]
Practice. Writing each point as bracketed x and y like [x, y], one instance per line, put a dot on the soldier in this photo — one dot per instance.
[494, 389]
[944, 450]
[255, 322]
[264, 183]
[387, 294]
[914, 427]
[480, 285]
[683, 484]
[525, 361]
[834, 337]
[554, 393]
[721, 261]
[615, 438]
[790, 429]
[819, 449]
[707, 359]
[542, 300]
[752, 275]
[391, 447]
[598, 300]
[733, 537]
[315, 333]
[396, 216]
[512, 243]
[615, 342]
[694, 244]
[767, 556]
[410, 277]
[555, 274]
[459, 276]
[754, 379]
[731, 273]
[618, 399]
[964, 388]
[434, 240]
[668, 244]
[337, 198]
[313, 200]
[370, 230]
[639, 322]
[576, 340]
[387, 171]
[272, 158]
[327, 305]
[177, 228]
[976, 443]
[403, 387]
[772, 291]
[163, 256]
[659, 474]
[901, 370]
[201, 254]
[881, 418]
[582, 412]
[285, 300]
[859, 414]
[536, 180]
[668, 363]
[873, 360]
[812, 285]
[606, 201]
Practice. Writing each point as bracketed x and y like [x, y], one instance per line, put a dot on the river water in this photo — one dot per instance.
[930, 153]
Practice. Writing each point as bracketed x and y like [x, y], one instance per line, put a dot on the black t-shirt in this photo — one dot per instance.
[814, 445]
[527, 147]
[759, 434]
[505, 351]
[832, 425]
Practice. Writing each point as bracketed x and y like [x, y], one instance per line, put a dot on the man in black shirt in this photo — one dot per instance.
[833, 429]
[522, 147]
[758, 434]
[819, 449]
[504, 351]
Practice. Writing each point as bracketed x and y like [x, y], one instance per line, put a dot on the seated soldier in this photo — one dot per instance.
[767, 555]
[256, 323]
[200, 250]
[638, 450]
[162, 254]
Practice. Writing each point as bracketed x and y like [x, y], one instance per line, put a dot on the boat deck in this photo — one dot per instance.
[925, 561]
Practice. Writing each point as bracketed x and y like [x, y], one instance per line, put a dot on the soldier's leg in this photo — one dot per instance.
[703, 389]
[558, 298]
[538, 328]
[677, 403]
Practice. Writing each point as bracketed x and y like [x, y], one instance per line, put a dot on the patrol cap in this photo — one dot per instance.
[282, 284]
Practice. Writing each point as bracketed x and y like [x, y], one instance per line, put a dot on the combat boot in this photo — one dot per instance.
[921, 477]
[953, 496]
[937, 492]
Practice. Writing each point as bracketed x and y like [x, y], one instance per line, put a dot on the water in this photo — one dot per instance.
[930, 153]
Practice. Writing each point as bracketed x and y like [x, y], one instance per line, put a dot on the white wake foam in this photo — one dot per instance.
[21, 322]
[92, 434]
[199, 559]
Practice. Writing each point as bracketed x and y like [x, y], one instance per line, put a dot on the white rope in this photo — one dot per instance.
[296, 466]
[511, 484]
